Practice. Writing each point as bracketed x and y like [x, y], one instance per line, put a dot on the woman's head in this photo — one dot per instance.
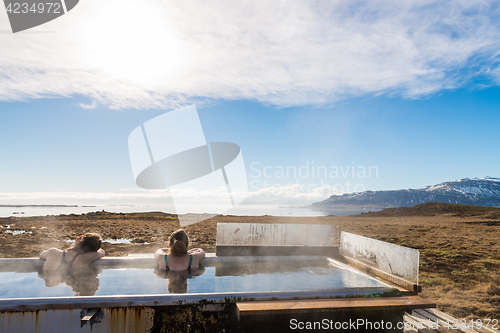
[89, 242]
[179, 243]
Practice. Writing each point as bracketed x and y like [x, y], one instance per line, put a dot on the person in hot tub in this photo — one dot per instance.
[86, 249]
[177, 257]
[83, 281]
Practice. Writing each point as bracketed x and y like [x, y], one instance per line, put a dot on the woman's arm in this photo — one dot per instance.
[197, 253]
[100, 253]
[92, 256]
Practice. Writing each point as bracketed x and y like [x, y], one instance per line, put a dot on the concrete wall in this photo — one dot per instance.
[394, 259]
[257, 234]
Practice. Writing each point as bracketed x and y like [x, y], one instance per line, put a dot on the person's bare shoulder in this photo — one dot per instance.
[160, 257]
[160, 253]
[49, 252]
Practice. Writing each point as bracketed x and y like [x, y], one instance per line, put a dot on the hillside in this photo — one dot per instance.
[477, 192]
[439, 208]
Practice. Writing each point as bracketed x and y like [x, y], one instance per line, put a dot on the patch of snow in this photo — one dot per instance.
[118, 241]
[17, 232]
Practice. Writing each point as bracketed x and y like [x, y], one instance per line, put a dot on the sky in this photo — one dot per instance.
[323, 97]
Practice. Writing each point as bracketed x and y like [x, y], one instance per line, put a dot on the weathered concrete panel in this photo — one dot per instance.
[260, 234]
[394, 259]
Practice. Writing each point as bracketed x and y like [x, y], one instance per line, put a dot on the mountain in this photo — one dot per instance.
[476, 191]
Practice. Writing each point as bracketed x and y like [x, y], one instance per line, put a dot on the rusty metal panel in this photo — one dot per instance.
[118, 320]
[260, 234]
[391, 258]
[64, 303]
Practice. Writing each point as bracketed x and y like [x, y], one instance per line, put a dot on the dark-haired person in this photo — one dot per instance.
[177, 257]
[85, 250]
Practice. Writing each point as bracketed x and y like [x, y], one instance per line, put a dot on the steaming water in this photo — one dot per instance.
[208, 280]
[241, 210]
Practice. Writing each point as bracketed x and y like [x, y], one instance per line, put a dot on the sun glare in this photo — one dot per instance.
[127, 47]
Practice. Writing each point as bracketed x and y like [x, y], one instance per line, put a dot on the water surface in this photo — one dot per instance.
[128, 281]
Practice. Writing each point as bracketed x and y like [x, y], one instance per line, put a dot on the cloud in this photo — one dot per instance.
[92, 105]
[293, 195]
[155, 54]
[81, 198]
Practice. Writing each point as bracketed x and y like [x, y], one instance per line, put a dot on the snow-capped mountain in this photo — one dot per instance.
[476, 191]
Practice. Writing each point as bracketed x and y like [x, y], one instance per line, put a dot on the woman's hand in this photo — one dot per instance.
[101, 253]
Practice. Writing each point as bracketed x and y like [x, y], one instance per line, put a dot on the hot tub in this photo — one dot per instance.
[134, 297]
[228, 293]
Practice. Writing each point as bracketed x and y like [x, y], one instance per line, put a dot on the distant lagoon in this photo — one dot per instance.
[241, 210]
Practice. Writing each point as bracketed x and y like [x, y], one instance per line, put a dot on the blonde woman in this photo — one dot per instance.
[177, 257]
